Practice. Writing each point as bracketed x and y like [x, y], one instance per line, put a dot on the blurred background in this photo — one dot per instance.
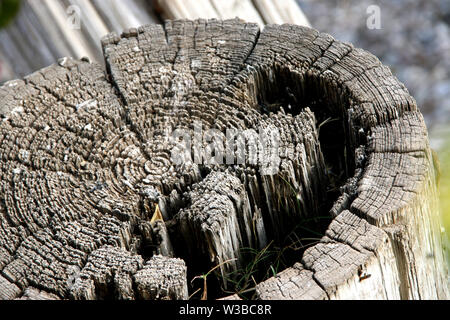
[412, 37]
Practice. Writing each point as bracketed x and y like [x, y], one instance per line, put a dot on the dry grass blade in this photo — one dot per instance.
[205, 277]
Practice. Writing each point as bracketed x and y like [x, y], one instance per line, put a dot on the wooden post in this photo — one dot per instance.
[89, 158]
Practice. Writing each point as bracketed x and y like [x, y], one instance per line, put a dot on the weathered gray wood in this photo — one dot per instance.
[278, 12]
[162, 278]
[85, 166]
[176, 9]
[243, 9]
[44, 31]
[188, 9]
[36, 294]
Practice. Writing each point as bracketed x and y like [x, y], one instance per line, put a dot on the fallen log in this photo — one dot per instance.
[213, 142]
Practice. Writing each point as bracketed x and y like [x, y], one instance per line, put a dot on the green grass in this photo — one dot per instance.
[262, 264]
[444, 185]
[8, 10]
[257, 265]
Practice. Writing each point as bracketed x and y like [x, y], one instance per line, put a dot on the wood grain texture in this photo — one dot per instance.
[45, 31]
[85, 162]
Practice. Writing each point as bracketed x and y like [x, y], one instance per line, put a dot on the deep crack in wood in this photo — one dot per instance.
[85, 160]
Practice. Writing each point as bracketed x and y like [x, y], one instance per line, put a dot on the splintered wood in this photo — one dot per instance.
[96, 203]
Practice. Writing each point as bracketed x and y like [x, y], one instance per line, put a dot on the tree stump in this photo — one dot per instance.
[105, 194]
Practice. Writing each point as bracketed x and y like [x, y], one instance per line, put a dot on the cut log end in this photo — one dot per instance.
[228, 147]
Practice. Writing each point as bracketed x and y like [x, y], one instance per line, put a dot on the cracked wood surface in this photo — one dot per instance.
[85, 160]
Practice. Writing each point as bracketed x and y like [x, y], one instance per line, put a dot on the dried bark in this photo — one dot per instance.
[85, 162]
